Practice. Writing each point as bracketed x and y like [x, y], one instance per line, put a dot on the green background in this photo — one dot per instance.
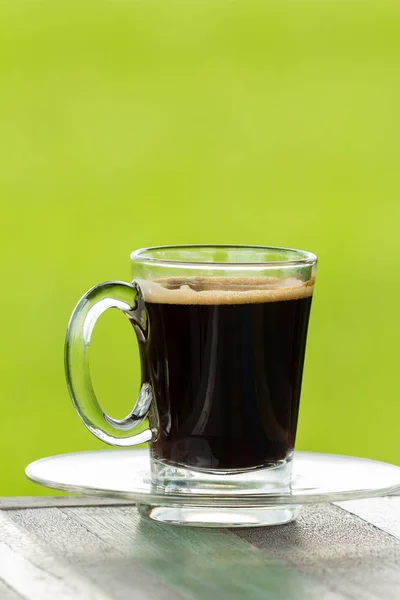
[127, 124]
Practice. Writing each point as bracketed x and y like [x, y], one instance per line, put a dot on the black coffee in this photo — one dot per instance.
[226, 371]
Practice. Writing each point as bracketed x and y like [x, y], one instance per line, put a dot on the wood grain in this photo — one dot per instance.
[102, 566]
[7, 593]
[348, 555]
[384, 513]
[102, 550]
[33, 573]
[203, 563]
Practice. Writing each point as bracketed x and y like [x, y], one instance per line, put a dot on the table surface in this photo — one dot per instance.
[82, 548]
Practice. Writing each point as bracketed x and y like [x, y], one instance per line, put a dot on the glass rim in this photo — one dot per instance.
[143, 255]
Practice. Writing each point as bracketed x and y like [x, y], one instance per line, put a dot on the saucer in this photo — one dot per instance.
[125, 474]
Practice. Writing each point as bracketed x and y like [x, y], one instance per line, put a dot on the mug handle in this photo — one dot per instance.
[127, 298]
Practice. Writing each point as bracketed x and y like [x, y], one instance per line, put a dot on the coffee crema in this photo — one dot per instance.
[224, 290]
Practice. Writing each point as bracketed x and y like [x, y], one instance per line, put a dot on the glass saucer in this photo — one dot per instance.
[125, 474]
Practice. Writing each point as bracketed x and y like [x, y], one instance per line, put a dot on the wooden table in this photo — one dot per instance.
[56, 548]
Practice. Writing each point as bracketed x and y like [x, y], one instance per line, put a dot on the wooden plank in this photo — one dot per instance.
[7, 593]
[19, 502]
[384, 513]
[38, 579]
[348, 555]
[91, 560]
[202, 563]
[330, 554]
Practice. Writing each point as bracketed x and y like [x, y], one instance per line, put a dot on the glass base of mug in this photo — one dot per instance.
[172, 478]
[206, 516]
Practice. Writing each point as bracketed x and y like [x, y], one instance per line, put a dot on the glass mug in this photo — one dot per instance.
[222, 336]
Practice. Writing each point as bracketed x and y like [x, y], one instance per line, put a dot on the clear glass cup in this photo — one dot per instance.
[222, 335]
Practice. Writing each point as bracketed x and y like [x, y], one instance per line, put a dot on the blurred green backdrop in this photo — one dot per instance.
[125, 124]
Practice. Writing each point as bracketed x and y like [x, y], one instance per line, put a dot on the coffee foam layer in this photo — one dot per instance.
[224, 290]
